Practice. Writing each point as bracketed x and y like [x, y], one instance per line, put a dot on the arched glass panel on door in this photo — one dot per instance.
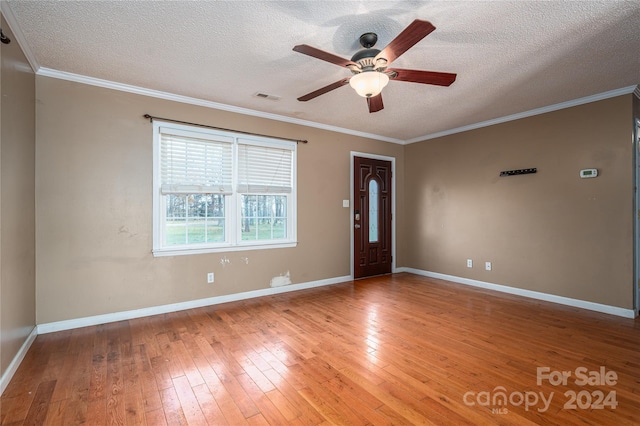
[373, 211]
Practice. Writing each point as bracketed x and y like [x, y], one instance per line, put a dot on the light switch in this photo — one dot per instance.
[345, 203]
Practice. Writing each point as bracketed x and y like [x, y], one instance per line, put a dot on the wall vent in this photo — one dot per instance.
[266, 96]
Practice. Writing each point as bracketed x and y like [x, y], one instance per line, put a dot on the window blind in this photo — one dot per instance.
[190, 163]
[264, 169]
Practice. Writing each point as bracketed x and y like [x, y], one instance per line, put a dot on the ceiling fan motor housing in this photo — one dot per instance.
[365, 57]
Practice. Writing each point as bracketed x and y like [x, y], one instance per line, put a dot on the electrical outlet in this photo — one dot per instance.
[487, 266]
[469, 263]
[210, 277]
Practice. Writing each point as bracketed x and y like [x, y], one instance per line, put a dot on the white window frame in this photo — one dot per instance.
[233, 214]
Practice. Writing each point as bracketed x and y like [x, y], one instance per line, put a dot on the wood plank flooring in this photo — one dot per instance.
[398, 349]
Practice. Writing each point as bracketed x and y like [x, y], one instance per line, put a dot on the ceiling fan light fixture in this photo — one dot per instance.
[369, 83]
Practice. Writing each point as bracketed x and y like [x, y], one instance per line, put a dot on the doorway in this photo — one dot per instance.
[372, 215]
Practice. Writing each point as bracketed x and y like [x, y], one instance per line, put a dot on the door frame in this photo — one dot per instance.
[636, 212]
[354, 154]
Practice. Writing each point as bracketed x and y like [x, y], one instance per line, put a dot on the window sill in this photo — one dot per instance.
[162, 252]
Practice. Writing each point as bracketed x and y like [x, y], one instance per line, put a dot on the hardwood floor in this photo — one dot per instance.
[399, 349]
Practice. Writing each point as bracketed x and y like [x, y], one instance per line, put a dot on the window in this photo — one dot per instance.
[373, 211]
[221, 191]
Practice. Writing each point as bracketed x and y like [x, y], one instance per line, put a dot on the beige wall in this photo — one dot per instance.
[550, 232]
[17, 218]
[94, 212]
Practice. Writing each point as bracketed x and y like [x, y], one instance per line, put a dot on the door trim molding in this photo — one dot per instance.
[636, 205]
[354, 154]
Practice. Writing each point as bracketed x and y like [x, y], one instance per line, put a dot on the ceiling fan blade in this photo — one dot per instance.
[415, 32]
[321, 54]
[424, 77]
[324, 90]
[375, 103]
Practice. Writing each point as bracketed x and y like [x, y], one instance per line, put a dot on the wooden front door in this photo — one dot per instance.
[372, 217]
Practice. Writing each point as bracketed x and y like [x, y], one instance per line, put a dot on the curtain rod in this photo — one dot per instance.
[151, 118]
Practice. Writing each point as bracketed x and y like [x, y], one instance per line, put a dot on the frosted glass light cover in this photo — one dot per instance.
[369, 83]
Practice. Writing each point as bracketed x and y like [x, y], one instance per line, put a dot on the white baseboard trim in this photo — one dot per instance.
[598, 307]
[163, 309]
[15, 363]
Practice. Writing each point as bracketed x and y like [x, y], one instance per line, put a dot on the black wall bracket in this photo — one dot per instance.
[4, 38]
[519, 172]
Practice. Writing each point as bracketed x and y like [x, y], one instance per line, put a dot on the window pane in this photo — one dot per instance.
[373, 211]
[195, 232]
[215, 231]
[264, 217]
[175, 229]
[215, 218]
[195, 219]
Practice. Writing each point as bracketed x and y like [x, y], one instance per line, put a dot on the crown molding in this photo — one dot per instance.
[537, 111]
[48, 72]
[62, 75]
[19, 35]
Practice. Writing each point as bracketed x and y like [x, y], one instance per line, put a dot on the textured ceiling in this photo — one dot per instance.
[510, 56]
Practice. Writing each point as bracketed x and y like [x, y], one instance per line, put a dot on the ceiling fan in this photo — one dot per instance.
[369, 66]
